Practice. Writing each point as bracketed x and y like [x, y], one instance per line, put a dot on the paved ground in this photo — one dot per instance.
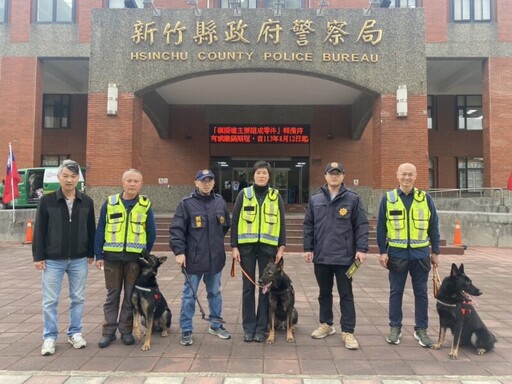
[214, 361]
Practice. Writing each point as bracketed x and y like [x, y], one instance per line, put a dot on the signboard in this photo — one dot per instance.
[259, 134]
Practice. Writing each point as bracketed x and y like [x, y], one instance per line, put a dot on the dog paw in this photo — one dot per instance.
[270, 340]
[290, 340]
[137, 335]
[480, 351]
[145, 347]
[165, 333]
[436, 346]
[454, 356]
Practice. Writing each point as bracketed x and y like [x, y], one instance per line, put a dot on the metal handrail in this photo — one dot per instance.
[434, 192]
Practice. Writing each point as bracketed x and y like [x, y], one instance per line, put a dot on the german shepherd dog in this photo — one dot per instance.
[282, 313]
[149, 306]
[456, 311]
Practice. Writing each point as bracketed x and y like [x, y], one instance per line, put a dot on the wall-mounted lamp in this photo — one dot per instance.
[197, 11]
[278, 6]
[321, 5]
[112, 95]
[236, 5]
[401, 101]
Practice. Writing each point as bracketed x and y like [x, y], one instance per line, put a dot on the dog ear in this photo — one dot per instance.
[454, 271]
[461, 268]
[162, 259]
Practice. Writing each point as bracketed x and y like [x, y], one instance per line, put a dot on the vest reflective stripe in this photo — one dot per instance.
[259, 223]
[123, 231]
[403, 230]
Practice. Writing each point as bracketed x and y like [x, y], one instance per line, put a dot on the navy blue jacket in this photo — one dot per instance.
[57, 236]
[197, 231]
[335, 229]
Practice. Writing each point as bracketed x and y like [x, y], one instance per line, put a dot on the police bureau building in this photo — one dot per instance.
[154, 58]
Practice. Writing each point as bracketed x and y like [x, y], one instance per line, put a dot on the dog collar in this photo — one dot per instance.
[445, 304]
[143, 289]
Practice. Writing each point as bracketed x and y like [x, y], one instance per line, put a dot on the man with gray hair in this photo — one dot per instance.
[126, 226]
[64, 243]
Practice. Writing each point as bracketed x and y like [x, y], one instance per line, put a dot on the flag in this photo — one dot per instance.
[11, 190]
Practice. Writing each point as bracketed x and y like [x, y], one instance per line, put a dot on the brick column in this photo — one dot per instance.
[437, 15]
[497, 135]
[21, 109]
[398, 140]
[114, 143]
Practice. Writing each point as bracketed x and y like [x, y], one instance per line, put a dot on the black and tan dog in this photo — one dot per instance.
[456, 312]
[282, 312]
[149, 306]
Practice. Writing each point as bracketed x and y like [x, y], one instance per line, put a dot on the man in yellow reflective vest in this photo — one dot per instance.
[126, 226]
[408, 239]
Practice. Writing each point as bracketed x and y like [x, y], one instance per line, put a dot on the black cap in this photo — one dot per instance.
[204, 173]
[334, 166]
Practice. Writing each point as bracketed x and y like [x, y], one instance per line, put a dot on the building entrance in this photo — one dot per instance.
[290, 175]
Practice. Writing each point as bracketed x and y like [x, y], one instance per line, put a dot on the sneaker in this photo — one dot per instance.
[421, 335]
[186, 338]
[77, 341]
[322, 331]
[395, 333]
[48, 347]
[349, 340]
[221, 332]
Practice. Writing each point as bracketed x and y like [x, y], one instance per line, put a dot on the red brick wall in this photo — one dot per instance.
[497, 134]
[84, 18]
[70, 141]
[19, 22]
[113, 142]
[20, 109]
[399, 140]
[504, 18]
[437, 16]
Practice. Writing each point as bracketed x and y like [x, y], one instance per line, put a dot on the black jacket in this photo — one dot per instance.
[335, 229]
[197, 231]
[58, 236]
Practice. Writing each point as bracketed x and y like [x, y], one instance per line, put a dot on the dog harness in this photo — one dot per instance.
[155, 292]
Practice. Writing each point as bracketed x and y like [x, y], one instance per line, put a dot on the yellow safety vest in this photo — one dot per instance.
[402, 230]
[254, 225]
[122, 232]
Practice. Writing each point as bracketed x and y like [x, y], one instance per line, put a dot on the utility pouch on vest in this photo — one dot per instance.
[249, 214]
[270, 217]
[420, 218]
[397, 265]
[137, 223]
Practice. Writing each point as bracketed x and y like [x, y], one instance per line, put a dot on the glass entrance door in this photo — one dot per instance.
[290, 175]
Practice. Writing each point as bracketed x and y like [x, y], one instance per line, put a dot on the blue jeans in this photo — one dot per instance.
[52, 278]
[188, 303]
[419, 279]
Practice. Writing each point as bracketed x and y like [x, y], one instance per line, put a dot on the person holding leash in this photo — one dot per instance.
[335, 236]
[407, 226]
[126, 226]
[63, 242]
[258, 235]
[197, 233]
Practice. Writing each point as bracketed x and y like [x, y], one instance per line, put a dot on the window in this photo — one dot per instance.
[470, 172]
[53, 160]
[403, 4]
[432, 172]
[3, 11]
[470, 115]
[243, 4]
[288, 4]
[126, 4]
[432, 112]
[55, 11]
[56, 111]
[471, 10]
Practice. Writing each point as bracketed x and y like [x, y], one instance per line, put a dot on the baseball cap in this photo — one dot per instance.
[334, 166]
[204, 173]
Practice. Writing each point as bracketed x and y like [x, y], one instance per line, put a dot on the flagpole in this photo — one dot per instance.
[12, 186]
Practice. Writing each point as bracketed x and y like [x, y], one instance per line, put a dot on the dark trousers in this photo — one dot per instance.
[119, 276]
[419, 270]
[255, 320]
[325, 278]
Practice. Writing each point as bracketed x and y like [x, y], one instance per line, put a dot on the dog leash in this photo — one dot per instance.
[233, 273]
[203, 314]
